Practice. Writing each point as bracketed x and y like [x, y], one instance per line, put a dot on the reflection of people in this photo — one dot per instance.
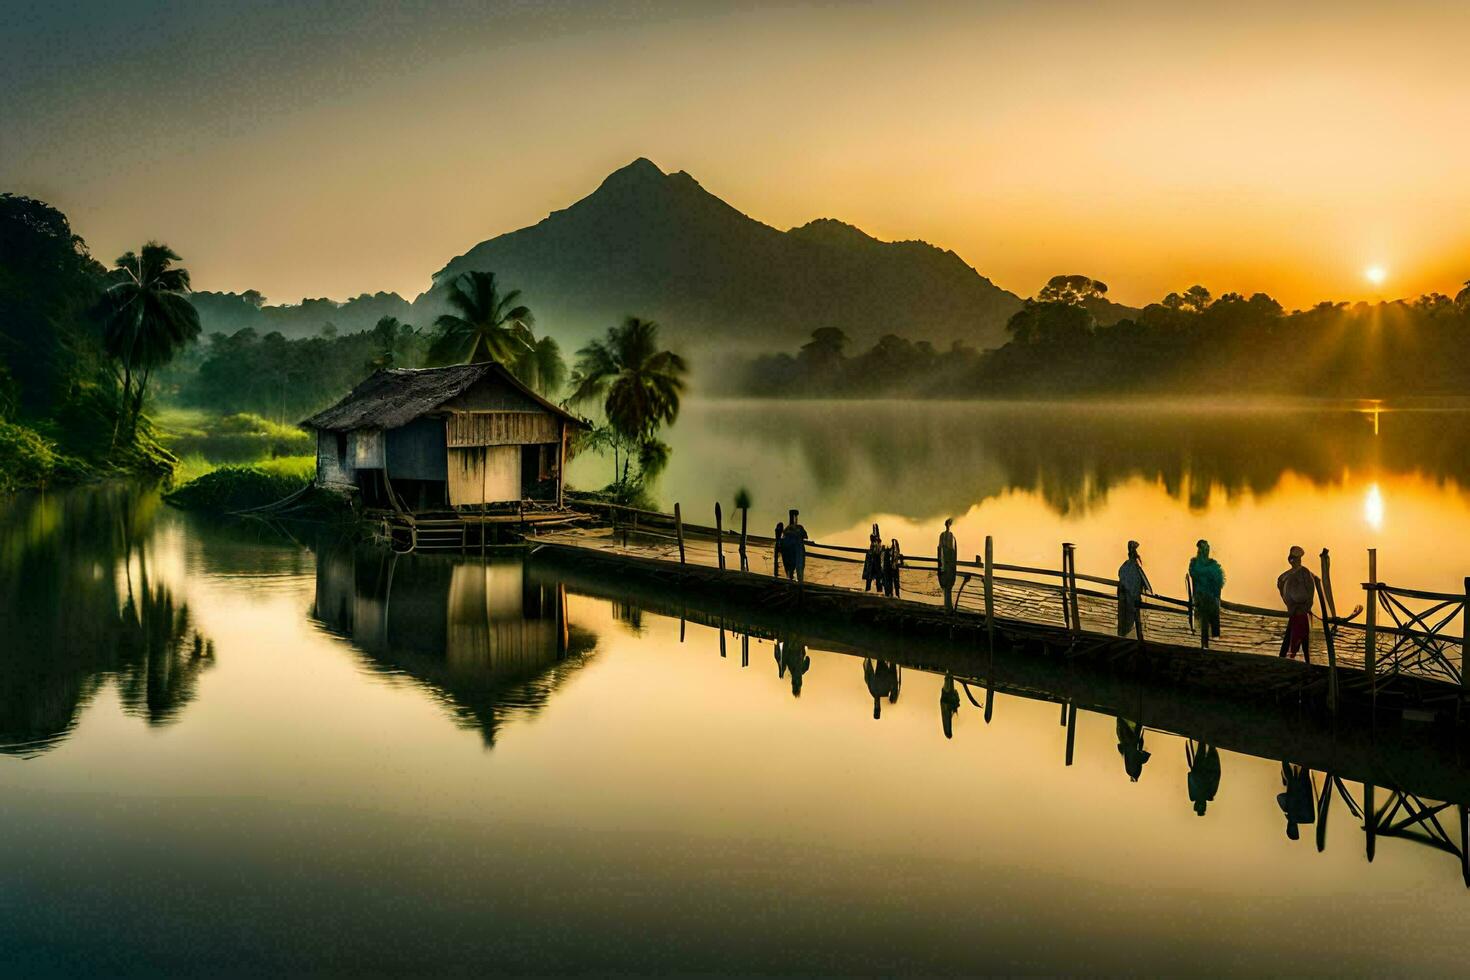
[793, 548]
[1204, 774]
[949, 556]
[949, 703]
[1130, 747]
[791, 656]
[873, 562]
[1297, 802]
[776, 554]
[1132, 584]
[883, 680]
[1298, 587]
[1208, 580]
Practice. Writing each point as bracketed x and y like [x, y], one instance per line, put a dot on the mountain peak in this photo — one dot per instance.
[641, 171]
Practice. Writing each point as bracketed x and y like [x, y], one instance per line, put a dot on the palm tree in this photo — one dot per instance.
[146, 318]
[488, 326]
[542, 367]
[638, 385]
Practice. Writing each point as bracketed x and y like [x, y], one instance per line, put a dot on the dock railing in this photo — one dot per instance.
[1424, 632]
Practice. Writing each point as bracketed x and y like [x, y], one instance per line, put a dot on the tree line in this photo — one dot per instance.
[1189, 342]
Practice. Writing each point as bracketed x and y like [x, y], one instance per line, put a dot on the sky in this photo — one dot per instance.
[331, 149]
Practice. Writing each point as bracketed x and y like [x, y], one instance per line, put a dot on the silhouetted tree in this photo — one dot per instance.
[488, 325]
[1071, 289]
[146, 317]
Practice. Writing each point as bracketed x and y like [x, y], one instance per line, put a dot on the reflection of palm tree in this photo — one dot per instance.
[160, 655]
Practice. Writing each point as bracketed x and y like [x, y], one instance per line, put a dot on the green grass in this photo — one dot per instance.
[233, 488]
[239, 438]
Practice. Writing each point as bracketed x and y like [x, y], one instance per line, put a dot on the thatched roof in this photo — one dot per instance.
[396, 396]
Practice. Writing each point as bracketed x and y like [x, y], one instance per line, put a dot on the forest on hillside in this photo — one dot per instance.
[1188, 343]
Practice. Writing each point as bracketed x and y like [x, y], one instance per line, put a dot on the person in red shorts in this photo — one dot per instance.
[1298, 587]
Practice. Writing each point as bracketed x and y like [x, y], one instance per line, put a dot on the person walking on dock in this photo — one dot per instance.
[949, 556]
[1132, 584]
[892, 563]
[1204, 774]
[793, 548]
[1298, 588]
[873, 562]
[1207, 580]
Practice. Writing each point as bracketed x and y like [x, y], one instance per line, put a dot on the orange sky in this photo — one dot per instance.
[327, 150]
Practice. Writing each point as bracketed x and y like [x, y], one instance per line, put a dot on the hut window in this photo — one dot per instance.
[342, 450]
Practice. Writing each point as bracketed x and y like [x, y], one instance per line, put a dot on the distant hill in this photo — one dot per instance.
[228, 312]
[660, 246]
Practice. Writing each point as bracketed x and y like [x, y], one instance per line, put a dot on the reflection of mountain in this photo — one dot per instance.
[487, 641]
[78, 603]
[926, 459]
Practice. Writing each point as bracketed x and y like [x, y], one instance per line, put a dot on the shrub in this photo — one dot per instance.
[235, 488]
[27, 460]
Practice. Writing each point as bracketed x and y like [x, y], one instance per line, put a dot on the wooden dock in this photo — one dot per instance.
[1394, 654]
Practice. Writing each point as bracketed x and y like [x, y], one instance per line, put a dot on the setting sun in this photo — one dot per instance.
[1375, 274]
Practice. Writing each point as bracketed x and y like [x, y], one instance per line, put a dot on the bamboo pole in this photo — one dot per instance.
[719, 537]
[1071, 730]
[679, 526]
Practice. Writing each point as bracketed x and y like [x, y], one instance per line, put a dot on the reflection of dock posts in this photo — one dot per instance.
[679, 529]
[745, 649]
[1370, 819]
[1370, 630]
[1071, 729]
[719, 536]
[1465, 843]
[1331, 648]
[722, 638]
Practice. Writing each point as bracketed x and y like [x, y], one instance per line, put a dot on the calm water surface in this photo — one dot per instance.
[229, 751]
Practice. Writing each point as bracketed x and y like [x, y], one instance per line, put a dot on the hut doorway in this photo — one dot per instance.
[484, 474]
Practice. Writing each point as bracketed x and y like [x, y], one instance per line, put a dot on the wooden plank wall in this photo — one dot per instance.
[464, 429]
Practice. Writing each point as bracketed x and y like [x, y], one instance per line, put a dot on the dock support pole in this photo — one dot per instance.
[679, 529]
[719, 536]
[1370, 631]
[1071, 730]
[744, 519]
[990, 590]
[1370, 819]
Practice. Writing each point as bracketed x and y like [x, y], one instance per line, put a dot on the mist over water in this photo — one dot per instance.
[1254, 479]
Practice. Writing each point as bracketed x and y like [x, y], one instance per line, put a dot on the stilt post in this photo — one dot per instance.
[679, 529]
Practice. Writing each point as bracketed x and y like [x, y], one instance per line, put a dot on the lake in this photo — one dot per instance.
[229, 750]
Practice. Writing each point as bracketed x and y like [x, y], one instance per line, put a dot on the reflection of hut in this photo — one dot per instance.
[470, 437]
[483, 635]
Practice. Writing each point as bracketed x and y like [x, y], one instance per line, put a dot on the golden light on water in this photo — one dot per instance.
[1373, 507]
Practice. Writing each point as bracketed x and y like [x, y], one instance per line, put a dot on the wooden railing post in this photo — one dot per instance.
[990, 589]
[1072, 578]
[744, 519]
[1464, 633]
[1331, 650]
[1370, 631]
[1066, 592]
[719, 536]
[679, 529]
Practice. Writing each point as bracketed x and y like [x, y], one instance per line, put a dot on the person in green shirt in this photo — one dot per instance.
[1208, 581]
